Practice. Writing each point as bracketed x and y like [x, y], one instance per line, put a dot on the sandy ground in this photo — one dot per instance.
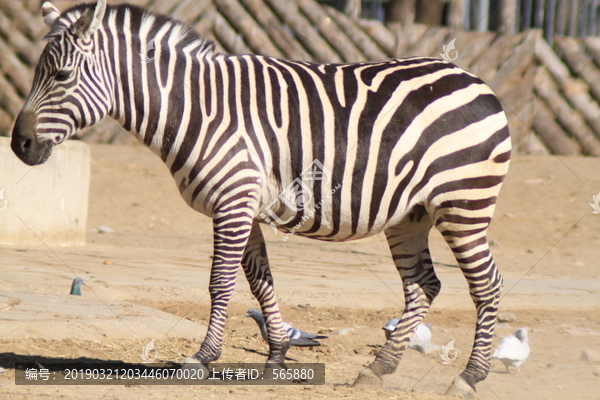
[148, 280]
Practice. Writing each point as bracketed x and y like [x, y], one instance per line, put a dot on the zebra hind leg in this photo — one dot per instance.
[463, 225]
[410, 251]
[258, 273]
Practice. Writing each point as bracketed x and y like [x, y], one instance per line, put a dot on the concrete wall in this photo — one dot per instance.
[45, 204]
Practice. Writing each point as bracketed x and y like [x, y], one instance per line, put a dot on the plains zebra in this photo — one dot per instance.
[394, 146]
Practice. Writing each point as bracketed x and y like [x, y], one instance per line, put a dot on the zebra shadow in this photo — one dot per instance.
[19, 361]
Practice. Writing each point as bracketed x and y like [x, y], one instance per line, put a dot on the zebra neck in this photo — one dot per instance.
[156, 68]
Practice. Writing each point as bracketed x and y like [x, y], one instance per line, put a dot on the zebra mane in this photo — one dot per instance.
[72, 14]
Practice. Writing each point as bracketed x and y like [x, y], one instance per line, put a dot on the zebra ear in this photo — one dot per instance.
[90, 20]
[50, 13]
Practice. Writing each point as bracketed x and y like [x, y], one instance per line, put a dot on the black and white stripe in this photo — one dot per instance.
[395, 146]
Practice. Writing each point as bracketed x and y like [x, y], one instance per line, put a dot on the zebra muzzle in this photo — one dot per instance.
[25, 143]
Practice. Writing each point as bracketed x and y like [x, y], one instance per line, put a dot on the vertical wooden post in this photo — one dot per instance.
[458, 15]
[429, 12]
[402, 11]
[508, 15]
[483, 15]
[539, 14]
[352, 8]
[573, 18]
[581, 24]
[527, 12]
[550, 18]
[561, 17]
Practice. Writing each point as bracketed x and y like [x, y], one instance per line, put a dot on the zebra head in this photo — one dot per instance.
[69, 90]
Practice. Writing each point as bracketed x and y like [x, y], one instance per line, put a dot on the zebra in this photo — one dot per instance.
[334, 152]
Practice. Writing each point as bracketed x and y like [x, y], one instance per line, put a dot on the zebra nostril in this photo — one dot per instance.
[57, 139]
[27, 144]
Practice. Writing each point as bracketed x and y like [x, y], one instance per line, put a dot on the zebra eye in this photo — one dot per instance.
[62, 75]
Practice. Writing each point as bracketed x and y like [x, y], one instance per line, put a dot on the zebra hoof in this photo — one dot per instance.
[461, 388]
[196, 368]
[368, 379]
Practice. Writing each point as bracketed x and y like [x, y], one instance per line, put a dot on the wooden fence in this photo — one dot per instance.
[552, 102]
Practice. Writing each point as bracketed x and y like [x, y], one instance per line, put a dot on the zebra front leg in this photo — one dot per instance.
[258, 273]
[410, 251]
[231, 236]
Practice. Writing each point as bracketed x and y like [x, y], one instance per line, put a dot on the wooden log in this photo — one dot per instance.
[331, 31]
[6, 122]
[163, 7]
[578, 62]
[206, 22]
[228, 37]
[188, 11]
[253, 35]
[429, 43]
[472, 45]
[289, 12]
[516, 95]
[363, 41]
[10, 100]
[288, 44]
[571, 119]
[409, 36]
[18, 72]
[380, 34]
[575, 90]
[551, 133]
[592, 45]
[22, 19]
[487, 64]
[22, 45]
[521, 58]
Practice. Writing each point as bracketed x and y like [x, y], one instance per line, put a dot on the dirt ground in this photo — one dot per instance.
[546, 242]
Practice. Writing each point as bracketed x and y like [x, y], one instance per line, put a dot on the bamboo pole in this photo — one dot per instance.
[575, 90]
[312, 41]
[363, 41]
[331, 31]
[253, 35]
[571, 119]
[290, 47]
[551, 133]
